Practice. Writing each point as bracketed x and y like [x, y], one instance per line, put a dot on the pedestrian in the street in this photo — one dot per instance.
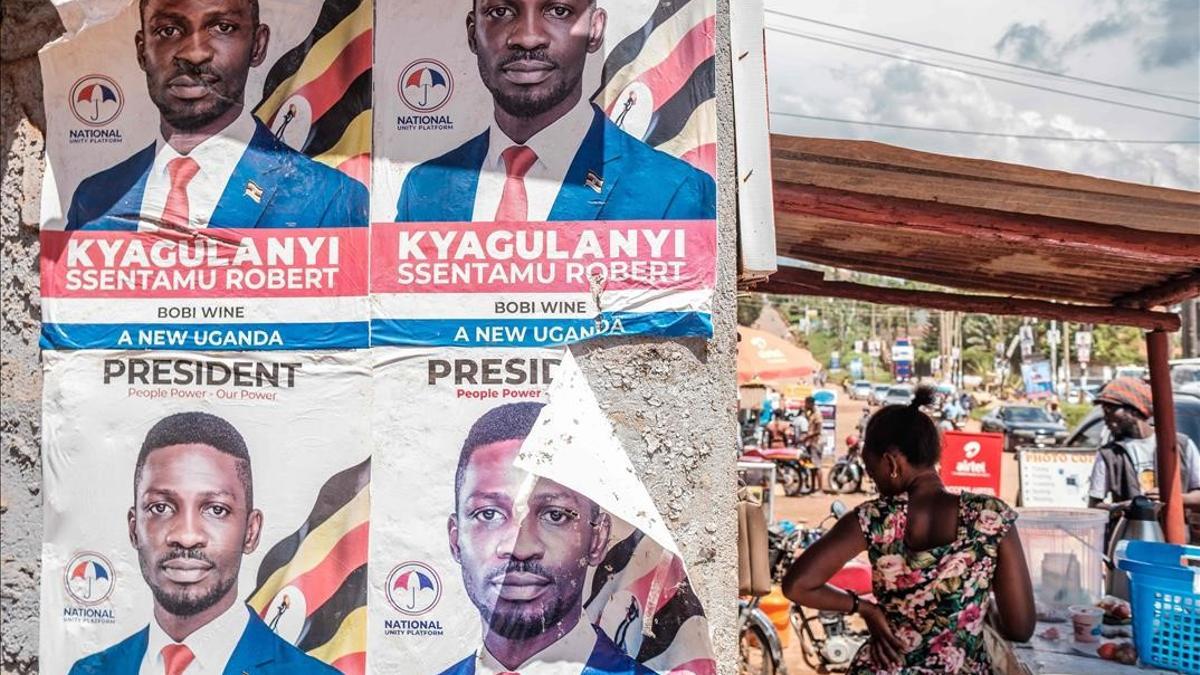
[812, 437]
[778, 433]
[1126, 466]
[937, 558]
[1053, 410]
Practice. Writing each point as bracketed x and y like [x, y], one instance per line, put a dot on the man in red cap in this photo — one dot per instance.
[1125, 465]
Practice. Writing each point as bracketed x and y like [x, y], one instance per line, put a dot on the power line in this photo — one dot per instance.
[992, 134]
[985, 76]
[983, 58]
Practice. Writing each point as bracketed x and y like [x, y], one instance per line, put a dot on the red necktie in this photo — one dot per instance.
[181, 170]
[514, 202]
[176, 658]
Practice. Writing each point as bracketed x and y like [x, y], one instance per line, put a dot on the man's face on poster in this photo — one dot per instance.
[197, 55]
[524, 560]
[532, 53]
[191, 525]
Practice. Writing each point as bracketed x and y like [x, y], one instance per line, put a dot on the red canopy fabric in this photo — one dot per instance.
[763, 357]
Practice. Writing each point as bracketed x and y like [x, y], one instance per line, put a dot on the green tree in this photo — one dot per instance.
[1117, 346]
[748, 309]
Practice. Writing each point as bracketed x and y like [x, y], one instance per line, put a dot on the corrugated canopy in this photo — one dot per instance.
[983, 227]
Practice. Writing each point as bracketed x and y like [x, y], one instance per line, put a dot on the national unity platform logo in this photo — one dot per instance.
[96, 100]
[425, 85]
[413, 588]
[89, 578]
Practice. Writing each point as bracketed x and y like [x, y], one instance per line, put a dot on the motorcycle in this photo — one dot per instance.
[849, 470]
[794, 469]
[834, 647]
[760, 651]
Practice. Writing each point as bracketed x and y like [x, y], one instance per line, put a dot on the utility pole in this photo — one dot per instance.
[1066, 358]
[1052, 338]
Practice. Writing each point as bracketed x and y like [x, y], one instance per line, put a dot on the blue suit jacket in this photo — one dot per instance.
[259, 652]
[637, 182]
[606, 659]
[296, 192]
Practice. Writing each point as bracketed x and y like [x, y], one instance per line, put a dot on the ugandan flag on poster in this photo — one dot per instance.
[659, 83]
[643, 600]
[317, 96]
[312, 586]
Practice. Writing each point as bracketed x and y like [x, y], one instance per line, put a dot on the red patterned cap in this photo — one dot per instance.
[1129, 391]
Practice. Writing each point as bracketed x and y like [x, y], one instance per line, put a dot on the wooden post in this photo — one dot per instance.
[1170, 487]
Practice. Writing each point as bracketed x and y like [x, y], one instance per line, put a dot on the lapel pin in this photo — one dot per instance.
[593, 181]
[253, 191]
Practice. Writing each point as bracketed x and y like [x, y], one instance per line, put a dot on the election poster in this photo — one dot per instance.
[518, 537]
[207, 178]
[208, 507]
[560, 155]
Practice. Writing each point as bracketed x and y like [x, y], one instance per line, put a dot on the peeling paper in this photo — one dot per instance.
[78, 15]
[574, 445]
[428, 404]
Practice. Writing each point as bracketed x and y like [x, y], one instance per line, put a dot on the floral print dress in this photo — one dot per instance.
[936, 599]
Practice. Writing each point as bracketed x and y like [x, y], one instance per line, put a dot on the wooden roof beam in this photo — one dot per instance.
[794, 281]
[963, 278]
[1019, 229]
[1166, 293]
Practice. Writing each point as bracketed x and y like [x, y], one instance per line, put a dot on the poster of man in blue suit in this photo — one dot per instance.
[192, 521]
[525, 547]
[549, 153]
[213, 164]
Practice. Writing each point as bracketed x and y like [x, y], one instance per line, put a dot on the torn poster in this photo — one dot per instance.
[518, 534]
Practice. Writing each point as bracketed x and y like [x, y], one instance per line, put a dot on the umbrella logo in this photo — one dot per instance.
[425, 85]
[413, 588]
[89, 578]
[96, 100]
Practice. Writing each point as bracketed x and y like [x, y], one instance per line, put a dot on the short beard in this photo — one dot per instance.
[518, 625]
[196, 115]
[527, 107]
[514, 624]
[182, 604]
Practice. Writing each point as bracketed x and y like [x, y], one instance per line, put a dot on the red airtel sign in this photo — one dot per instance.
[971, 461]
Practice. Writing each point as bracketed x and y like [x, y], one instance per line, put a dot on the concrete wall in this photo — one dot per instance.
[673, 402]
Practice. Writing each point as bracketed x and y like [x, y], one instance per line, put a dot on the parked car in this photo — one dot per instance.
[878, 392]
[1025, 425]
[901, 394]
[1091, 432]
[860, 390]
[1185, 373]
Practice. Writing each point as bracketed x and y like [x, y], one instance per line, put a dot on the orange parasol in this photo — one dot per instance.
[762, 357]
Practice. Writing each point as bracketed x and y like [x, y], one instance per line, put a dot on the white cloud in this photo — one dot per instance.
[1101, 41]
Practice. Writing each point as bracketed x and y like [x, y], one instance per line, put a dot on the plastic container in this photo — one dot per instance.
[778, 608]
[1063, 549]
[1165, 580]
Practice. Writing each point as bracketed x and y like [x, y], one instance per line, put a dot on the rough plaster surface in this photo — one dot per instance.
[672, 402]
[26, 25]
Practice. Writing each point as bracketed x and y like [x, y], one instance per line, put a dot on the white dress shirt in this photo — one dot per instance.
[569, 654]
[555, 147]
[212, 644]
[217, 157]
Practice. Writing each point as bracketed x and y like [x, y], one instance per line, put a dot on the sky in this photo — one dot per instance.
[1150, 45]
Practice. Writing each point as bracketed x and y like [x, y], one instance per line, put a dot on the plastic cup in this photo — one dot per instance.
[1086, 621]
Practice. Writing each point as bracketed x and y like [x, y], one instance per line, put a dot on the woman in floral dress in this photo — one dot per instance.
[937, 558]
